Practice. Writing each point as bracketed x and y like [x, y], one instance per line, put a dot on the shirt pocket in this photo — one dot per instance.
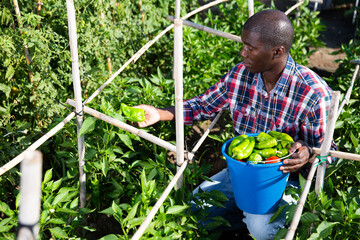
[244, 117]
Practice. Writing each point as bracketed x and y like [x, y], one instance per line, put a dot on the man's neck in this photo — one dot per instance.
[271, 77]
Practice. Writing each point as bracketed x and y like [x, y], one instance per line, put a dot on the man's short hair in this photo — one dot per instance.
[274, 26]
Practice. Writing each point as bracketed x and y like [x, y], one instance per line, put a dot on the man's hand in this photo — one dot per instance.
[298, 159]
[152, 115]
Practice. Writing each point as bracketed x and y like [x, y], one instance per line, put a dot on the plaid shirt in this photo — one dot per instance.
[298, 104]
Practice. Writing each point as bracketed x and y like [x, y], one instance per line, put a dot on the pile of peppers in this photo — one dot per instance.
[264, 147]
[132, 114]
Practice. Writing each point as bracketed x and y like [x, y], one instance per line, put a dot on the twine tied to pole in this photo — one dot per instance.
[322, 159]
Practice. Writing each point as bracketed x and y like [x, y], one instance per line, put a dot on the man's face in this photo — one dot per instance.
[256, 57]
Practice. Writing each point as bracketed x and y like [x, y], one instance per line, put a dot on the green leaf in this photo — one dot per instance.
[277, 213]
[61, 197]
[110, 237]
[6, 89]
[302, 182]
[281, 234]
[323, 230]
[86, 210]
[176, 209]
[9, 72]
[104, 166]
[47, 176]
[6, 209]
[58, 232]
[126, 140]
[216, 137]
[57, 221]
[290, 213]
[309, 217]
[108, 211]
[88, 126]
[132, 212]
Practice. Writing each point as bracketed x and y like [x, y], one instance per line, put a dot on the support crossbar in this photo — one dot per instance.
[129, 128]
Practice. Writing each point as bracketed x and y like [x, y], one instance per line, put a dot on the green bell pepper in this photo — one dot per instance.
[281, 152]
[268, 143]
[266, 152]
[244, 149]
[255, 157]
[133, 114]
[236, 141]
[263, 136]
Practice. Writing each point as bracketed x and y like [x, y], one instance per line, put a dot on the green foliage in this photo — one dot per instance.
[125, 175]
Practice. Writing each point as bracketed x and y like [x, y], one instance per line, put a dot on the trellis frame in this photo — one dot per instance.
[79, 105]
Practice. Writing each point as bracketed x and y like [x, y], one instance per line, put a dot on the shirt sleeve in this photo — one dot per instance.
[205, 106]
[314, 126]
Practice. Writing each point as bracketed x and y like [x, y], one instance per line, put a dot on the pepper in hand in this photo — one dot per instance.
[133, 114]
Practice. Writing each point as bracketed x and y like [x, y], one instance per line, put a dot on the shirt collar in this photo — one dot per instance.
[283, 83]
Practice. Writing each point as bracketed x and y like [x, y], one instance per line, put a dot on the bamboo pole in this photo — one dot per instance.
[160, 201]
[209, 30]
[203, 137]
[179, 93]
[348, 92]
[58, 127]
[38, 9]
[292, 8]
[127, 127]
[158, 204]
[78, 99]
[338, 154]
[141, 51]
[30, 196]
[355, 12]
[35, 145]
[251, 7]
[300, 206]
[325, 146]
[27, 56]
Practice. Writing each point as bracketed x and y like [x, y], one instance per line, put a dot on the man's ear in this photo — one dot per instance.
[278, 51]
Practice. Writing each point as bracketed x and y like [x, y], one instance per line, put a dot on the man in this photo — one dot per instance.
[266, 91]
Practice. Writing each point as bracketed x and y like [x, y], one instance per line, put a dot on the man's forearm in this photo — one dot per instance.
[167, 114]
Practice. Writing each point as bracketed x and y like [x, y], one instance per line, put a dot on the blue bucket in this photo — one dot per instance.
[258, 188]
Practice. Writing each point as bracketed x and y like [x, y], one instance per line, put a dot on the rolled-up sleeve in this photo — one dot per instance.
[205, 106]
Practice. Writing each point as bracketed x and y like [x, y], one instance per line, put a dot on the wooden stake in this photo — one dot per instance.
[300, 206]
[38, 9]
[178, 76]
[139, 53]
[35, 145]
[294, 7]
[78, 99]
[251, 7]
[27, 57]
[30, 196]
[338, 154]
[328, 138]
[209, 30]
[127, 127]
[325, 148]
[158, 204]
[348, 93]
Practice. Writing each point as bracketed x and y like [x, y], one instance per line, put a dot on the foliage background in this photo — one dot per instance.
[125, 174]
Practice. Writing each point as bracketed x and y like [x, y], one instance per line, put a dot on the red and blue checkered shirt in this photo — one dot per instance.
[298, 104]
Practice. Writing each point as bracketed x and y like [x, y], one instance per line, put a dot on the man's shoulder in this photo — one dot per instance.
[312, 80]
